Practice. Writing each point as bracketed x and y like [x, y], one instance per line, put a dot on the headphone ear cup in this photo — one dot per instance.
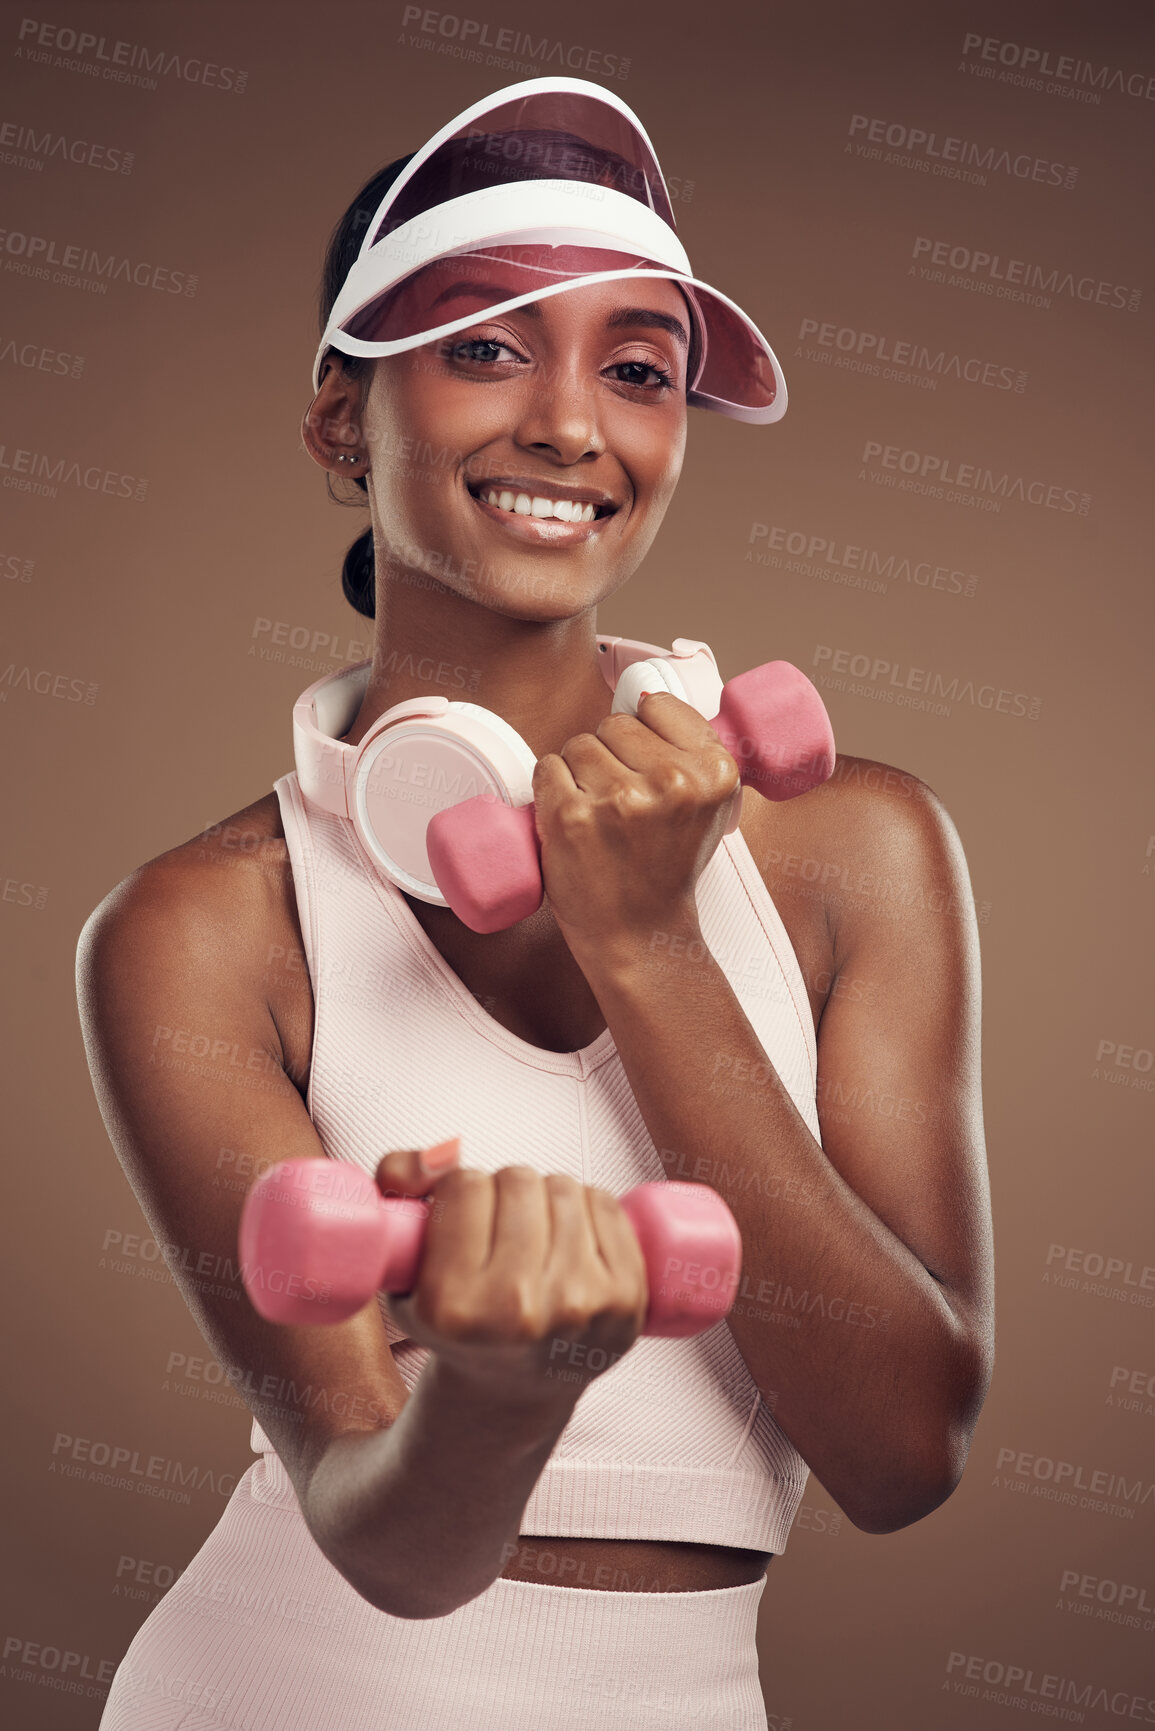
[417, 765]
[659, 675]
[642, 676]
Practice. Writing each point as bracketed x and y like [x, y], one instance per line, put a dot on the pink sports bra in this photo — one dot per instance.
[675, 1441]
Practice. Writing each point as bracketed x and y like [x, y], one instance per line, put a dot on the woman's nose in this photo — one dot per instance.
[561, 410]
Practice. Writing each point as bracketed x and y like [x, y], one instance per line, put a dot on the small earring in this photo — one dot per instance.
[342, 458]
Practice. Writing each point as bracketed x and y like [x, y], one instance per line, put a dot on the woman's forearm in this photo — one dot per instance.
[416, 1516]
[871, 1408]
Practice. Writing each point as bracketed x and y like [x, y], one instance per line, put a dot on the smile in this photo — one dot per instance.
[539, 518]
[570, 511]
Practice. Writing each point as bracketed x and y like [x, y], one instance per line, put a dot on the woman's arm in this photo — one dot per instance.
[411, 1497]
[865, 1312]
[418, 1517]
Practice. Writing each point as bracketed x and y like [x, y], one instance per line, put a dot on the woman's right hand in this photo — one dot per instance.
[530, 1284]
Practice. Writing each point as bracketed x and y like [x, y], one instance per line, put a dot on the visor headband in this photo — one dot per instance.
[553, 212]
[471, 122]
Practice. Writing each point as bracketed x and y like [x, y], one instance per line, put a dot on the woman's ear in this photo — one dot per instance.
[331, 429]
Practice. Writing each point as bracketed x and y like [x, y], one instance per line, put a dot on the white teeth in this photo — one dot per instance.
[566, 510]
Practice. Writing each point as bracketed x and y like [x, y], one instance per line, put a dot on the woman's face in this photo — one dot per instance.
[580, 393]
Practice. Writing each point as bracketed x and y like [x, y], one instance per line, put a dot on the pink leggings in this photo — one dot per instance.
[261, 1633]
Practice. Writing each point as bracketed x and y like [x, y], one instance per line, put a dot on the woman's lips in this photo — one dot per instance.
[542, 531]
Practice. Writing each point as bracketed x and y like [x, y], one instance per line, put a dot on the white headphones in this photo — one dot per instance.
[428, 753]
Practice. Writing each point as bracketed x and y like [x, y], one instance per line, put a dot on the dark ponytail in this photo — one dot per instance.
[357, 574]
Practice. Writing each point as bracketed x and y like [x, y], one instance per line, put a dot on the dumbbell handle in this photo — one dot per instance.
[318, 1239]
[486, 857]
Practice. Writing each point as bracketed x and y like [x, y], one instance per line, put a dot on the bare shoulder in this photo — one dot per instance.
[229, 868]
[889, 848]
[871, 845]
[220, 903]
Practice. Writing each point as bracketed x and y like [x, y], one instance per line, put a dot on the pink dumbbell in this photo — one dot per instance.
[486, 857]
[318, 1239]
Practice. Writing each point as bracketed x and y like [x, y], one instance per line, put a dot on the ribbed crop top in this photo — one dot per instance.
[675, 1441]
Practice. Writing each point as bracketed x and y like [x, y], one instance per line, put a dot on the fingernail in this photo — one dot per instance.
[440, 1157]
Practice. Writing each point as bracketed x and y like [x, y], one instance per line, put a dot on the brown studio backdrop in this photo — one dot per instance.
[154, 607]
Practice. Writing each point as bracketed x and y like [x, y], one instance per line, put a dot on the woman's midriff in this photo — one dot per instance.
[632, 1565]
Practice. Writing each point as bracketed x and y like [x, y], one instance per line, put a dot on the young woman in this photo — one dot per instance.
[492, 1502]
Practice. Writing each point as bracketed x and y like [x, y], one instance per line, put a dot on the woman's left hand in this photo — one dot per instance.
[628, 819]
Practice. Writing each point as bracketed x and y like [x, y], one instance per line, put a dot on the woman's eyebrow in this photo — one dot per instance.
[620, 316]
[647, 316]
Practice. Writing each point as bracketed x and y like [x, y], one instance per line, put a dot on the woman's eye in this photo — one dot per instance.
[661, 379]
[486, 351]
[466, 350]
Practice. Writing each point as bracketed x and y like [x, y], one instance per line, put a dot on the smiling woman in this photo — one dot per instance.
[578, 398]
[497, 1503]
